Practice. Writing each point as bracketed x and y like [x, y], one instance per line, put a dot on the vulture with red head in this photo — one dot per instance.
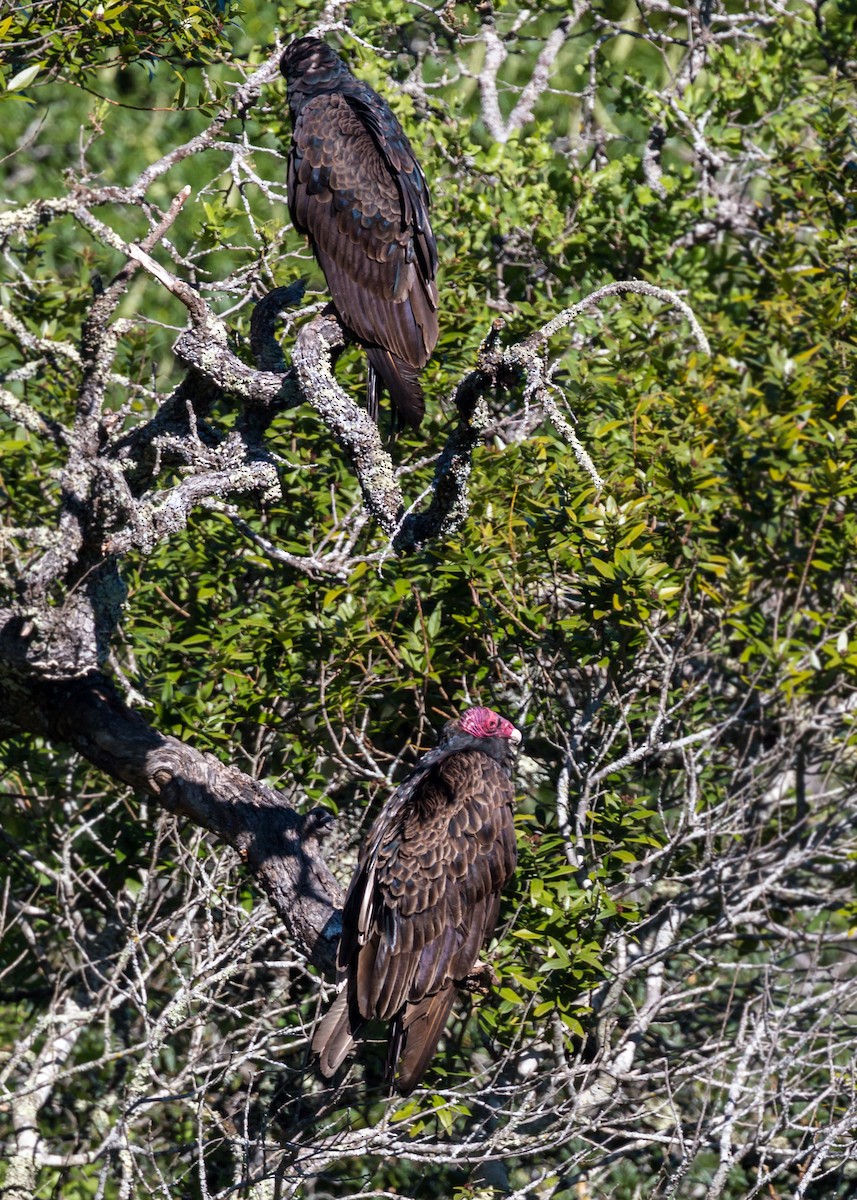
[357, 192]
[424, 897]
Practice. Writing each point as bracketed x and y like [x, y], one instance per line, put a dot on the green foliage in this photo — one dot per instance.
[42, 42]
[725, 536]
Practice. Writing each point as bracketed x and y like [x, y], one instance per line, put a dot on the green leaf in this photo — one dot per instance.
[24, 77]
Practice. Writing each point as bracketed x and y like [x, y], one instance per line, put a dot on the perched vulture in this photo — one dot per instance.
[425, 896]
[357, 192]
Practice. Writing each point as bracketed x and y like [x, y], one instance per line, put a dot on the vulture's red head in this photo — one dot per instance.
[485, 723]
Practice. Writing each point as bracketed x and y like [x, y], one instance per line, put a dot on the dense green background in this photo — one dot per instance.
[722, 544]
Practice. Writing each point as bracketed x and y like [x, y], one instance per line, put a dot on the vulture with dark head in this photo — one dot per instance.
[357, 192]
[425, 896]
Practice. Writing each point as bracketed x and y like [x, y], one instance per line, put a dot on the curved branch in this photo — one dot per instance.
[278, 846]
[351, 425]
[204, 346]
[640, 287]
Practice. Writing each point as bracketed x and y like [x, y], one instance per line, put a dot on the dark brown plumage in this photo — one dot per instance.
[357, 192]
[425, 896]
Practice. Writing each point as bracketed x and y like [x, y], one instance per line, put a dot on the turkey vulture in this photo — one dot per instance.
[357, 192]
[424, 897]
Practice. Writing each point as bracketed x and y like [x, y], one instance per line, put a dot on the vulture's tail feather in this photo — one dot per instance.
[402, 382]
[414, 1036]
[335, 1035]
[373, 394]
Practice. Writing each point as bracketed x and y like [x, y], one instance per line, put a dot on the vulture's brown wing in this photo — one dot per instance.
[364, 207]
[395, 149]
[426, 898]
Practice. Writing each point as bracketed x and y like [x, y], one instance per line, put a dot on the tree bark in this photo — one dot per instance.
[279, 846]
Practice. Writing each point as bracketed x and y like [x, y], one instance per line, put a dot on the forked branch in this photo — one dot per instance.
[205, 348]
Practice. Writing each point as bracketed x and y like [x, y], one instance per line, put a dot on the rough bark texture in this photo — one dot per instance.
[279, 846]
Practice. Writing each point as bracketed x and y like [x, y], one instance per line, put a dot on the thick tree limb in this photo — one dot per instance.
[358, 435]
[279, 846]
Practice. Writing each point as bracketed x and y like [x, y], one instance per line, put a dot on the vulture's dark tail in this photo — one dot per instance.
[402, 382]
[414, 1035]
[335, 1034]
